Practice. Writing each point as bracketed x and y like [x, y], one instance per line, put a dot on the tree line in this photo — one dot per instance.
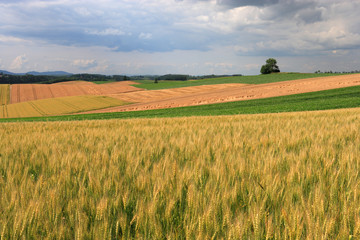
[29, 78]
[45, 79]
[345, 72]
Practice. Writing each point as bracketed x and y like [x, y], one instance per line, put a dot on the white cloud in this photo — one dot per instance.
[83, 11]
[252, 66]
[19, 62]
[85, 63]
[231, 20]
[10, 39]
[106, 32]
[145, 36]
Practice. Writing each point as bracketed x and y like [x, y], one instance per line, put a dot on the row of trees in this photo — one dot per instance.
[29, 78]
[355, 71]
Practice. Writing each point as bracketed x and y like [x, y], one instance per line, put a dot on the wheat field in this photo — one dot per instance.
[270, 176]
[4, 94]
[57, 106]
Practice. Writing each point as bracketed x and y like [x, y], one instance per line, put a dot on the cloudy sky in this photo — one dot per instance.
[179, 36]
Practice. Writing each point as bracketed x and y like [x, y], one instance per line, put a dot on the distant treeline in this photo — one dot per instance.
[214, 76]
[180, 77]
[345, 72]
[29, 78]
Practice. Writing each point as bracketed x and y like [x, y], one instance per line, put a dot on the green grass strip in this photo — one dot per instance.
[322, 100]
[103, 82]
[258, 79]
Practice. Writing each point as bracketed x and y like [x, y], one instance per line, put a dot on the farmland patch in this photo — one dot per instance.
[4, 94]
[256, 79]
[30, 92]
[57, 106]
[200, 95]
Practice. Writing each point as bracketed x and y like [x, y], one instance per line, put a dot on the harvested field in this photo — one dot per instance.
[4, 94]
[170, 98]
[153, 95]
[57, 106]
[30, 92]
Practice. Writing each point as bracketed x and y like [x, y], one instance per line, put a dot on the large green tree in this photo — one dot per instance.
[270, 66]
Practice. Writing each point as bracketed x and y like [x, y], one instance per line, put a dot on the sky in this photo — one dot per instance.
[196, 37]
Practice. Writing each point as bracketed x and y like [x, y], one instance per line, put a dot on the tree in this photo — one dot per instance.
[270, 66]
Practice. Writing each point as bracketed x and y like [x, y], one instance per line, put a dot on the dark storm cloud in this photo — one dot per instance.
[307, 11]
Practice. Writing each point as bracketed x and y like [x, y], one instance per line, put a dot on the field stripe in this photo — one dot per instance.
[36, 108]
[8, 94]
[61, 101]
[58, 106]
[18, 92]
[4, 94]
[34, 92]
[9, 99]
[5, 111]
[81, 89]
[51, 93]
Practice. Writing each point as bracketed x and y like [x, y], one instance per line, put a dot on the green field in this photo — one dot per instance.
[102, 82]
[322, 100]
[258, 79]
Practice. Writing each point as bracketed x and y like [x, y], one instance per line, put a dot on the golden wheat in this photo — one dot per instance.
[272, 176]
[4, 94]
[58, 106]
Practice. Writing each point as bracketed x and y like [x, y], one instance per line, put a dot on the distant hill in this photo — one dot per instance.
[6, 72]
[52, 73]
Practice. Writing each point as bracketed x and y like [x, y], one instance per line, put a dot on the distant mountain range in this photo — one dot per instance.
[52, 73]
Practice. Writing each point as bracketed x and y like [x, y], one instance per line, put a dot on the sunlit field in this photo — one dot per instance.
[270, 176]
[255, 79]
[4, 94]
[57, 106]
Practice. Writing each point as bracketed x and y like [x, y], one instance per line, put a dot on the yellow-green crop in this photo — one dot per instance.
[57, 106]
[4, 94]
[271, 176]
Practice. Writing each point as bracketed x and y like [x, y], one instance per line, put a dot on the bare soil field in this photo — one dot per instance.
[30, 92]
[190, 96]
[156, 95]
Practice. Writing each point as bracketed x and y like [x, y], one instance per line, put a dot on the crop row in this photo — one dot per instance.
[330, 99]
[4, 94]
[57, 106]
[270, 176]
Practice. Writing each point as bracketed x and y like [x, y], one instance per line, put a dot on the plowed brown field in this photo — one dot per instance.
[154, 95]
[189, 96]
[30, 92]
